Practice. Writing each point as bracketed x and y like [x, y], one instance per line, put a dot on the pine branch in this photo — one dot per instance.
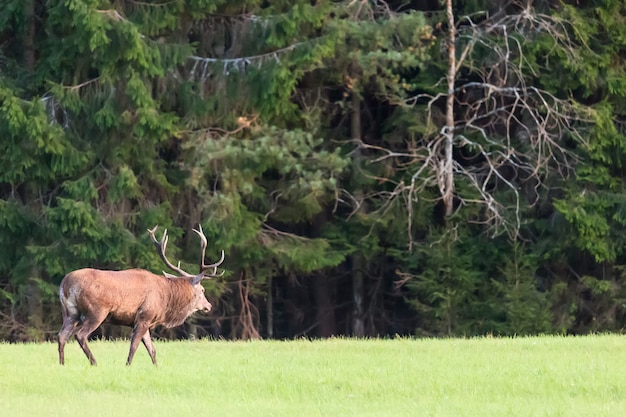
[253, 58]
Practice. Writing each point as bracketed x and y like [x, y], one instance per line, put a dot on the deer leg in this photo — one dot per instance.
[147, 342]
[86, 328]
[138, 333]
[69, 324]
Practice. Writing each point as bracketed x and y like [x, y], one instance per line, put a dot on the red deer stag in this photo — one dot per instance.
[133, 297]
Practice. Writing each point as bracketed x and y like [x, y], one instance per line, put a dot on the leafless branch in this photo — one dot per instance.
[510, 132]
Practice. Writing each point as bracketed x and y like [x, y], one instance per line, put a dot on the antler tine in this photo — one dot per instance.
[161, 249]
[164, 240]
[203, 245]
[215, 265]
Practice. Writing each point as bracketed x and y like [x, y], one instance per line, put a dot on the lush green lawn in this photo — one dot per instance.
[547, 376]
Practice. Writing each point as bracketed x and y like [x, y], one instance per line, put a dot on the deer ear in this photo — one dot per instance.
[196, 280]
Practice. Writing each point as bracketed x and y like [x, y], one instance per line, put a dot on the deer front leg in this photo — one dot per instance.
[140, 329]
[147, 342]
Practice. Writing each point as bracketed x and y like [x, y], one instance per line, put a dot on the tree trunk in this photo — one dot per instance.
[34, 297]
[192, 330]
[447, 182]
[325, 320]
[35, 309]
[247, 326]
[270, 309]
[325, 312]
[358, 325]
[29, 35]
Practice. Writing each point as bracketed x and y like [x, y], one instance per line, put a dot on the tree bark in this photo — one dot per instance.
[447, 182]
[325, 312]
[270, 309]
[323, 291]
[358, 325]
[34, 297]
[29, 35]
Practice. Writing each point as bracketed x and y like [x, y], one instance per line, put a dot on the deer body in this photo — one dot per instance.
[133, 297]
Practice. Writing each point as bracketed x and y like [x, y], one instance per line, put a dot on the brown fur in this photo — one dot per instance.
[134, 297]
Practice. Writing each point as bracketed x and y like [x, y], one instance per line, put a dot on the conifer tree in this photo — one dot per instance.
[310, 140]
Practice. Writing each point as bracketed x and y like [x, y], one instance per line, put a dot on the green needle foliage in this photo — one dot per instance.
[307, 140]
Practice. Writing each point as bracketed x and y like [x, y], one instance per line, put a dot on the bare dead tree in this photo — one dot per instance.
[494, 116]
[247, 324]
[446, 178]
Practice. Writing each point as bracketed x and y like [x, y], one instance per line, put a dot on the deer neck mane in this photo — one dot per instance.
[179, 303]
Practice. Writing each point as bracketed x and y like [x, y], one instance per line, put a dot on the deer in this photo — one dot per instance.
[133, 297]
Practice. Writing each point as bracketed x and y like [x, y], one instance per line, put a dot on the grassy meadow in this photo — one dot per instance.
[543, 376]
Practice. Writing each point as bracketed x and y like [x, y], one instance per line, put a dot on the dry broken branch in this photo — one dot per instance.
[511, 134]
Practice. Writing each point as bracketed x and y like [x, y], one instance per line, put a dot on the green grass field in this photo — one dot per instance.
[544, 376]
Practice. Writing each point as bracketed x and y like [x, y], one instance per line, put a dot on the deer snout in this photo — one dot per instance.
[206, 306]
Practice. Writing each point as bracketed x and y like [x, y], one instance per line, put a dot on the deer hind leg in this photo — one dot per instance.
[87, 327]
[69, 324]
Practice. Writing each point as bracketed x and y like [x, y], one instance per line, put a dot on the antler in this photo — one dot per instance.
[161, 249]
[161, 245]
[203, 245]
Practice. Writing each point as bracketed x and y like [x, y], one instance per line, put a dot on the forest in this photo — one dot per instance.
[370, 168]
